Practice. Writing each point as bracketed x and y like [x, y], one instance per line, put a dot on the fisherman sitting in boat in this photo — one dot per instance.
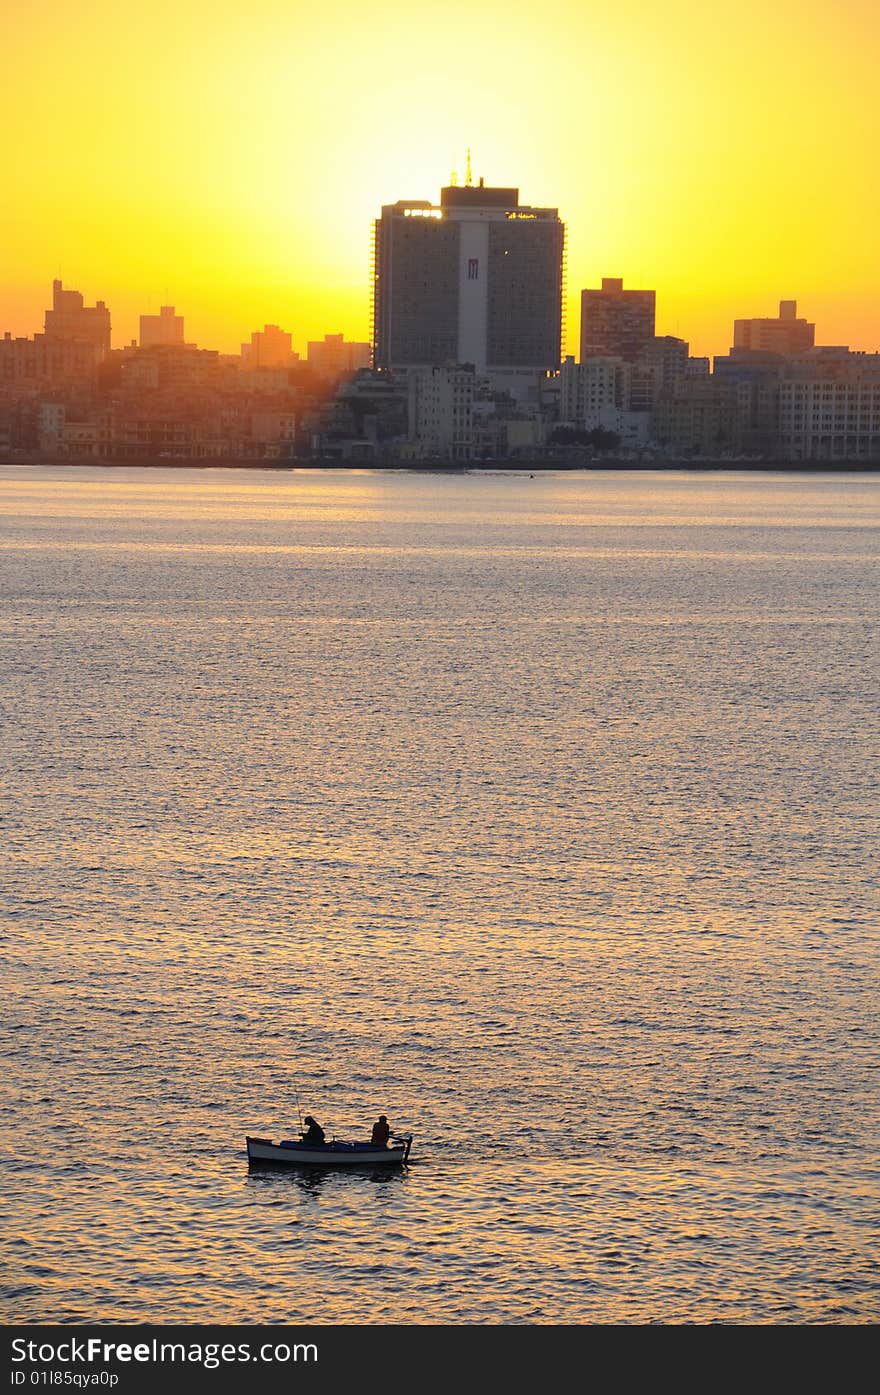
[381, 1132]
[314, 1133]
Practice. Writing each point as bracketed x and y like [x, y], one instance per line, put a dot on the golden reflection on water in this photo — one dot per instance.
[538, 814]
[608, 499]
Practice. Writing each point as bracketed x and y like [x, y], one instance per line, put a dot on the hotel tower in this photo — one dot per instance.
[477, 279]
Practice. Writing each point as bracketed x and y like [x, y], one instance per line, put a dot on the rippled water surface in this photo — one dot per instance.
[540, 814]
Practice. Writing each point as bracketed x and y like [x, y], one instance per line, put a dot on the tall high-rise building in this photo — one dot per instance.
[614, 322]
[477, 279]
[164, 328]
[71, 321]
[786, 335]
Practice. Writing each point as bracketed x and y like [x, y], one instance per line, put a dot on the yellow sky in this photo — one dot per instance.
[229, 158]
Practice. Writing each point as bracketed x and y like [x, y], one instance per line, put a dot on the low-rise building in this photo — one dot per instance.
[272, 428]
[588, 388]
[699, 417]
[831, 410]
[440, 410]
[51, 418]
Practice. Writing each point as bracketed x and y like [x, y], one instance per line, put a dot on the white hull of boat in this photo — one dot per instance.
[334, 1154]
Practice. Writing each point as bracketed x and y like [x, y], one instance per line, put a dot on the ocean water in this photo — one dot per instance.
[538, 814]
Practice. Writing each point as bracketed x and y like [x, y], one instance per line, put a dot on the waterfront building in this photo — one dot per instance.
[477, 279]
[616, 323]
[272, 428]
[785, 335]
[829, 407]
[586, 389]
[164, 328]
[598, 394]
[440, 411]
[51, 418]
[699, 416]
[365, 419]
[752, 376]
[83, 439]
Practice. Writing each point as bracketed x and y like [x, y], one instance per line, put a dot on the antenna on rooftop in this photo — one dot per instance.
[453, 178]
[468, 179]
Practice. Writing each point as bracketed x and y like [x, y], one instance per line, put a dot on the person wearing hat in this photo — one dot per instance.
[381, 1132]
[314, 1133]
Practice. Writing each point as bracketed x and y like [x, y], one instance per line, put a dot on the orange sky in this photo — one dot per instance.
[229, 158]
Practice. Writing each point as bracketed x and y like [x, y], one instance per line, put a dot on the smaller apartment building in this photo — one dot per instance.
[585, 389]
[440, 405]
[828, 419]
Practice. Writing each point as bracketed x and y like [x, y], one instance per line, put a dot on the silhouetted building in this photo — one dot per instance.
[174, 367]
[786, 335]
[365, 419]
[335, 357]
[71, 321]
[46, 360]
[616, 323]
[477, 280]
[270, 347]
[164, 328]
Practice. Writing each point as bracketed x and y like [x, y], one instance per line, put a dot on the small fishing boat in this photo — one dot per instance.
[292, 1153]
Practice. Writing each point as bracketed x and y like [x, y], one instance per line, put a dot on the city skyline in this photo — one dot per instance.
[775, 317]
[237, 177]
